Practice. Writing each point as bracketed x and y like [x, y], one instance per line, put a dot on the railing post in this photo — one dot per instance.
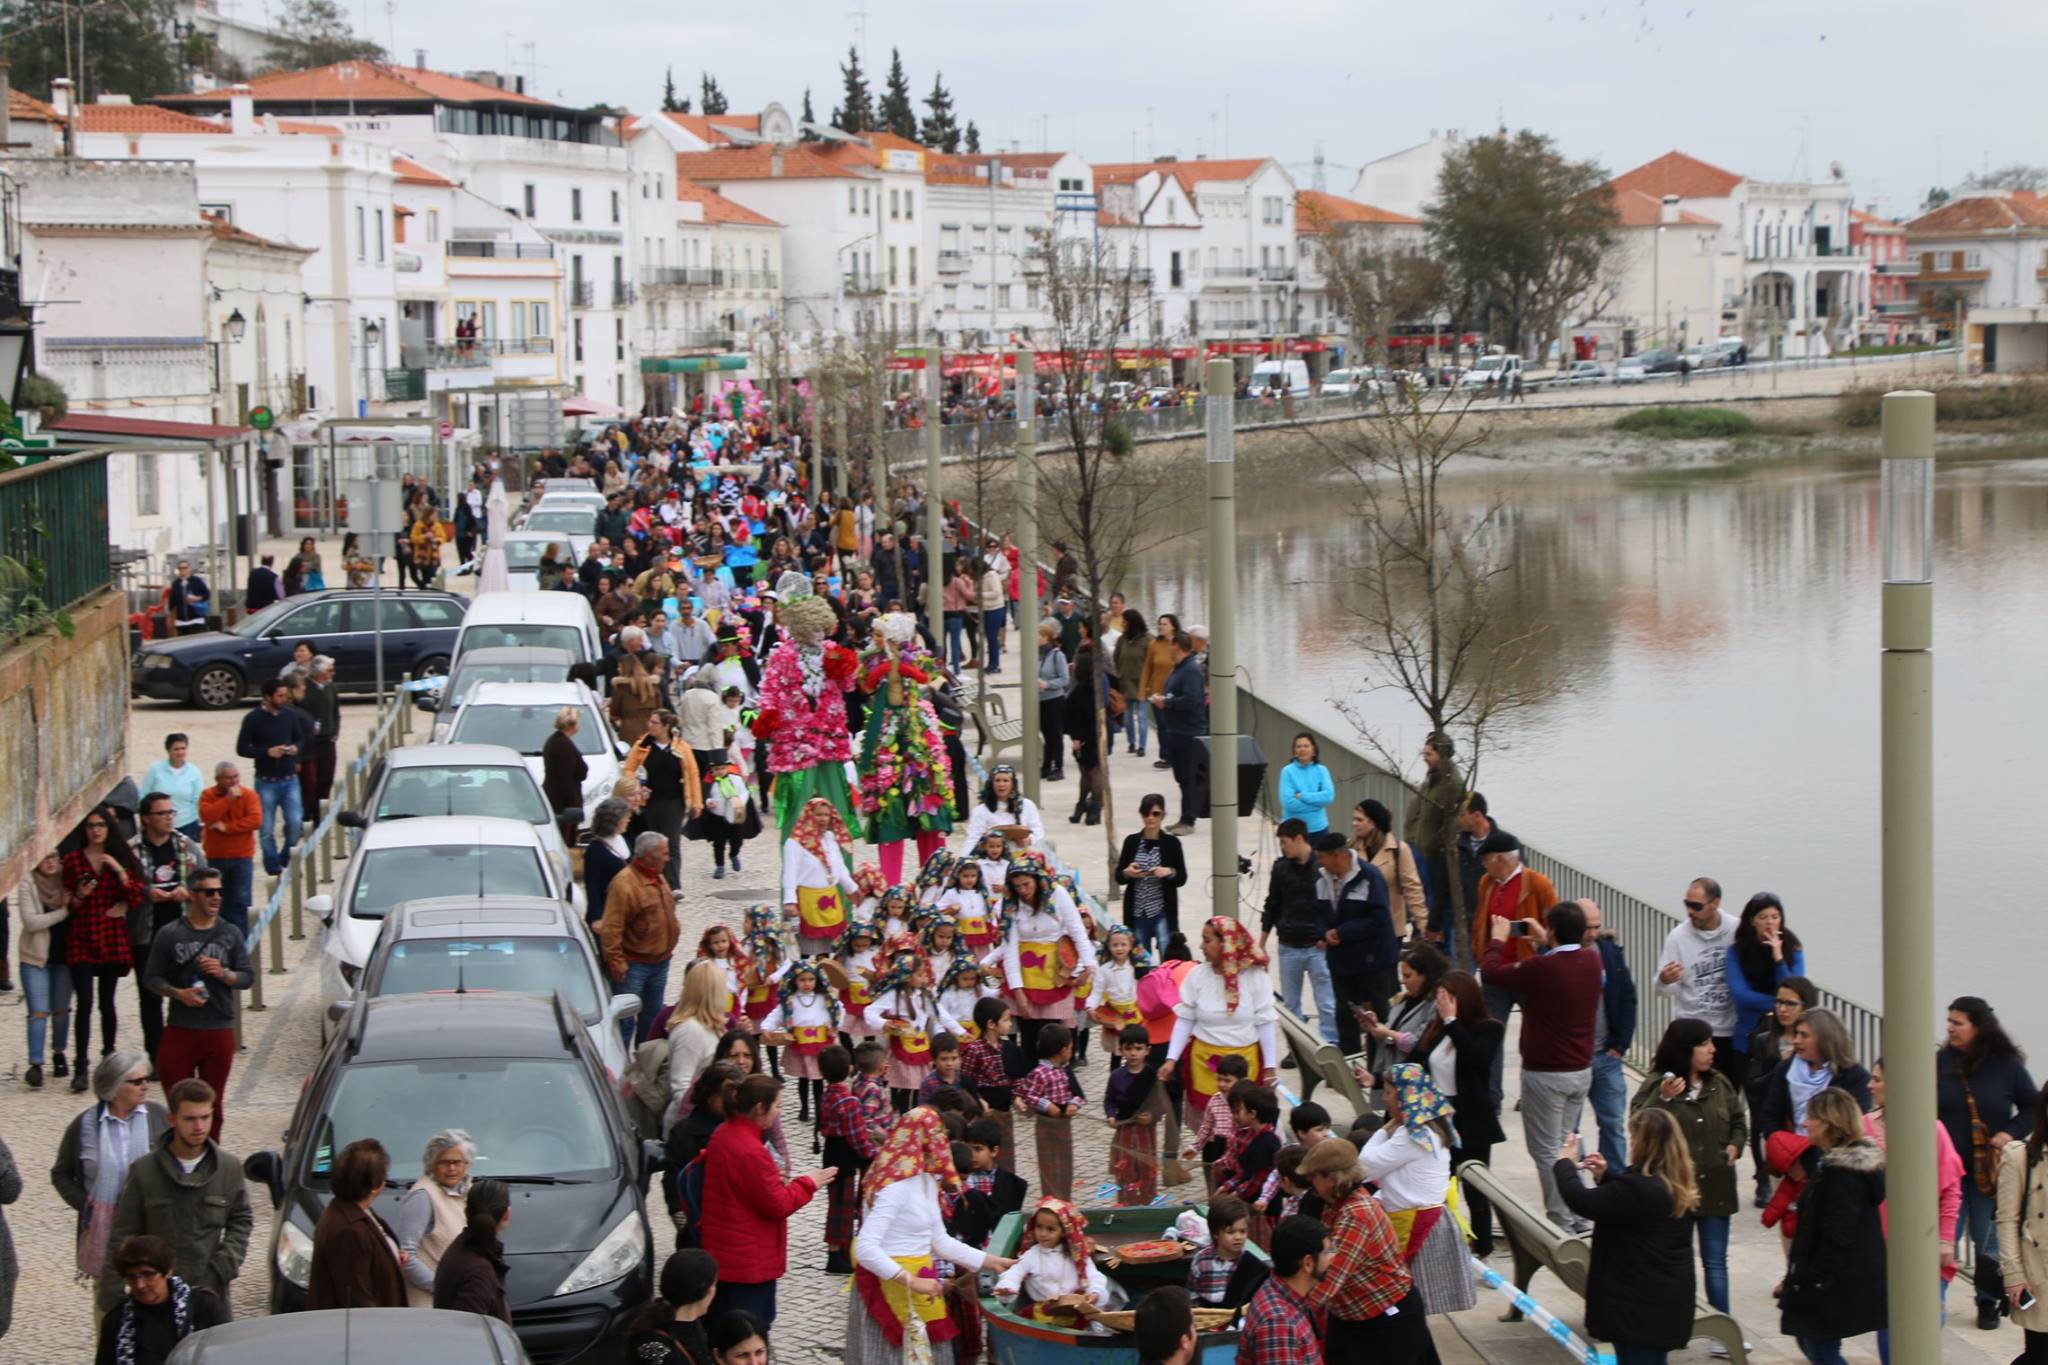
[255, 983]
[297, 872]
[276, 945]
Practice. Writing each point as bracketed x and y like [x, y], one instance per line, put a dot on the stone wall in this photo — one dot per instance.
[63, 730]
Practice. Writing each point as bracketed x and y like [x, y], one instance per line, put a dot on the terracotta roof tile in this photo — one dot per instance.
[410, 172]
[1982, 213]
[1872, 223]
[701, 125]
[224, 231]
[1688, 177]
[1188, 173]
[1316, 211]
[800, 162]
[718, 208]
[1636, 209]
[141, 118]
[376, 82]
[24, 107]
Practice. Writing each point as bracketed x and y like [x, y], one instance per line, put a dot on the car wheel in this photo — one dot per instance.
[217, 687]
[433, 667]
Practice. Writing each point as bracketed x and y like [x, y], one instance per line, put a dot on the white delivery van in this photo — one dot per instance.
[1291, 375]
[556, 620]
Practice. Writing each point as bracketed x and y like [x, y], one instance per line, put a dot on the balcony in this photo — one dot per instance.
[622, 294]
[1898, 308]
[1034, 262]
[405, 386]
[712, 340]
[582, 294]
[862, 282]
[753, 279]
[1899, 269]
[953, 262]
[1277, 274]
[1229, 276]
[442, 355]
[495, 249]
[1959, 276]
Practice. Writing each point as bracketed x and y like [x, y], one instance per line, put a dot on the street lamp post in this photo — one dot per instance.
[1906, 517]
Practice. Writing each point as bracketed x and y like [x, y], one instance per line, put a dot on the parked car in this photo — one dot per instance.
[1348, 383]
[1490, 369]
[1640, 366]
[523, 551]
[1272, 376]
[528, 944]
[403, 860]
[421, 781]
[355, 1336]
[1583, 372]
[583, 494]
[1703, 358]
[1734, 350]
[556, 620]
[522, 1076]
[521, 716]
[578, 519]
[215, 669]
[500, 663]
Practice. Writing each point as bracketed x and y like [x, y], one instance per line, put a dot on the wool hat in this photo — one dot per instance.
[1331, 1156]
[1500, 841]
[1377, 812]
[1330, 841]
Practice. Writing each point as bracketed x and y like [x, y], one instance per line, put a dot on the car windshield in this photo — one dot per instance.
[530, 966]
[391, 875]
[250, 627]
[501, 791]
[577, 519]
[516, 633]
[526, 554]
[465, 682]
[527, 1116]
[524, 728]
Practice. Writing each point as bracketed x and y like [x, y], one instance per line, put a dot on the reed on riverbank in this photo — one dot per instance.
[1686, 423]
[2024, 401]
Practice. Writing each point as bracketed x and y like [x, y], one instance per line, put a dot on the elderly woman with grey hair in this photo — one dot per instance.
[562, 770]
[322, 701]
[100, 1144]
[431, 1216]
[606, 855]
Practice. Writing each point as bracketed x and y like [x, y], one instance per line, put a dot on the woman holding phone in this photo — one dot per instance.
[103, 882]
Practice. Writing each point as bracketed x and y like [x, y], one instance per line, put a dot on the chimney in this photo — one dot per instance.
[519, 85]
[60, 97]
[1669, 214]
[419, 59]
[6, 100]
[775, 161]
[241, 111]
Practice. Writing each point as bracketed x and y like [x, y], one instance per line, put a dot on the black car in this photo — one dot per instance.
[520, 1075]
[355, 1336]
[218, 668]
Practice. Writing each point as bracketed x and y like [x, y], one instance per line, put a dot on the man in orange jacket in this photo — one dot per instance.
[230, 815]
[1507, 891]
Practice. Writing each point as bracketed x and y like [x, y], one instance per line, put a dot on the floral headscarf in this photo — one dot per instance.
[1421, 1102]
[904, 961]
[1239, 952]
[787, 990]
[763, 917]
[932, 925]
[855, 928]
[762, 947]
[937, 869]
[962, 965]
[916, 1146]
[1072, 1229]
[819, 818]
[869, 879]
[1140, 956]
[897, 896]
[1031, 864]
[738, 959]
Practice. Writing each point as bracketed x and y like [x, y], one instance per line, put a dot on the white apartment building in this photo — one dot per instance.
[988, 217]
[1324, 224]
[1404, 182]
[1791, 282]
[1663, 287]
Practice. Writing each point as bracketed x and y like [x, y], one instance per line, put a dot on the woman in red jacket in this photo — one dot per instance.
[747, 1205]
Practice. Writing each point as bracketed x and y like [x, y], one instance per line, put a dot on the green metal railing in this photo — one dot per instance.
[53, 535]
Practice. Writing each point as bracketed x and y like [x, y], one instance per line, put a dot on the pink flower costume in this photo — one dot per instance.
[803, 715]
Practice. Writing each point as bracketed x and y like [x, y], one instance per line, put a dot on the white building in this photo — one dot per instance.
[988, 216]
[1663, 287]
[1791, 282]
[1325, 224]
[1404, 182]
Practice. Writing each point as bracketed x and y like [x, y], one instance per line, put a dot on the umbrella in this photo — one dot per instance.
[493, 576]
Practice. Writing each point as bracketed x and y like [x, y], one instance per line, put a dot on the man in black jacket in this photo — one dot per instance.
[278, 736]
[1362, 949]
[1183, 715]
[1614, 1028]
[1302, 920]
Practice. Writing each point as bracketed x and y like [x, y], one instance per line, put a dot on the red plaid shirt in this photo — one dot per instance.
[874, 1104]
[982, 1063]
[1280, 1328]
[1366, 1275]
[1046, 1087]
[841, 1115]
[1216, 1121]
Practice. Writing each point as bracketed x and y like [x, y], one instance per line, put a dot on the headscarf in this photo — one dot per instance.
[898, 896]
[962, 965]
[1239, 952]
[931, 926]
[739, 958]
[786, 990]
[870, 881]
[1140, 955]
[759, 947]
[819, 818]
[1072, 1228]
[1421, 1102]
[763, 917]
[916, 1146]
[1029, 863]
[937, 869]
[854, 927]
[904, 961]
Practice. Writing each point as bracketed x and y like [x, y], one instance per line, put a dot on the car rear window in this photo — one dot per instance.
[529, 966]
[527, 1117]
[390, 875]
[500, 791]
[524, 728]
[516, 633]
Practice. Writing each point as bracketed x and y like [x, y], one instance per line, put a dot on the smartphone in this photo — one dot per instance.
[1519, 929]
[2027, 1301]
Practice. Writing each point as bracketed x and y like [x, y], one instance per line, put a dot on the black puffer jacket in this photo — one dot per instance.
[1834, 1281]
[1639, 1291]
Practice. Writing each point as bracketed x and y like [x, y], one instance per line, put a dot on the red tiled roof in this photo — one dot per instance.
[718, 208]
[224, 231]
[292, 125]
[1635, 209]
[1978, 213]
[141, 118]
[24, 107]
[1188, 173]
[1316, 210]
[701, 124]
[376, 82]
[145, 428]
[1870, 222]
[1688, 177]
[410, 172]
[800, 162]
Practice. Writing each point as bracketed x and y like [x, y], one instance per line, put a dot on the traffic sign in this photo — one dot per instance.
[261, 418]
[444, 428]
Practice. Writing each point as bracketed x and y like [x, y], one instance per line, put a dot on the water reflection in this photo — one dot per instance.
[1713, 641]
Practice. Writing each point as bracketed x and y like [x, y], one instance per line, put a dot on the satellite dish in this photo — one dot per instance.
[1835, 170]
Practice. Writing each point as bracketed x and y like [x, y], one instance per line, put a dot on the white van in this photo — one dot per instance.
[557, 620]
[1291, 375]
[1491, 369]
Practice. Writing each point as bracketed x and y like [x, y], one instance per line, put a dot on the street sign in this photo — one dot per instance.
[444, 428]
[261, 418]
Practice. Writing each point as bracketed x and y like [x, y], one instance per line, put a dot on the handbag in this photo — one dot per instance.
[1116, 704]
[1983, 1156]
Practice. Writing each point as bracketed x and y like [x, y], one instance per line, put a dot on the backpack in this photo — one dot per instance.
[648, 1085]
[690, 1199]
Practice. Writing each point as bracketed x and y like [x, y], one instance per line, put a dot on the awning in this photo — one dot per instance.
[690, 364]
[148, 429]
[590, 407]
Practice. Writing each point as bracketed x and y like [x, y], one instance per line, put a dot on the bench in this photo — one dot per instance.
[998, 737]
[1539, 1244]
[1321, 1063]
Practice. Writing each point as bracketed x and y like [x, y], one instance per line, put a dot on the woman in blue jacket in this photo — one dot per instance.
[1305, 787]
[1764, 953]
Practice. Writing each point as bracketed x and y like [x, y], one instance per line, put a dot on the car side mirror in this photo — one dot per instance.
[573, 814]
[427, 701]
[323, 906]
[624, 1007]
[267, 1170]
[337, 1010]
[351, 819]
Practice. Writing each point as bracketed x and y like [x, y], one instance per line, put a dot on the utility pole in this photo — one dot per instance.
[934, 509]
[817, 440]
[1221, 416]
[1027, 565]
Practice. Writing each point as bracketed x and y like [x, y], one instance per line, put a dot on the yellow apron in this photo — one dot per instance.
[1038, 965]
[1201, 1068]
[912, 1049]
[810, 1038]
[822, 910]
[897, 1294]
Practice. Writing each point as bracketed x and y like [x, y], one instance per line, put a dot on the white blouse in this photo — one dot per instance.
[801, 867]
[983, 820]
[1059, 919]
[922, 1009]
[803, 1012]
[958, 1005]
[1204, 1011]
[962, 904]
[905, 1220]
[1410, 1175]
[1114, 984]
[1050, 1272]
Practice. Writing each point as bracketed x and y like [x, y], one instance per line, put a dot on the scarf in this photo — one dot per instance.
[916, 1146]
[1806, 1080]
[937, 869]
[1422, 1104]
[787, 992]
[820, 817]
[107, 1146]
[181, 1321]
[50, 889]
[1073, 1240]
[1239, 952]
[903, 965]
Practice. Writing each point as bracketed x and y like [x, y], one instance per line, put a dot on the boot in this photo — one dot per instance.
[1094, 814]
[59, 1067]
[1080, 809]
[33, 1077]
[838, 1263]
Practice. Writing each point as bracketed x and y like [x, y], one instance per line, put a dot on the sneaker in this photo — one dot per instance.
[1987, 1317]
[59, 1067]
[33, 1077]
[1139, 752]
[718, 874]
[1160, 763]
[735, 862]
[1180, 829]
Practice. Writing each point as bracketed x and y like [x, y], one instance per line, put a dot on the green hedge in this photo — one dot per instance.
[1686, 423]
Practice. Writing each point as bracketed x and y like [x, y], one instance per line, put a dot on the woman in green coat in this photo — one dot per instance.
[1708, 1107]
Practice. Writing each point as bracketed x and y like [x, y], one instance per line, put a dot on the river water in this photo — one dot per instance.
[1713, 639]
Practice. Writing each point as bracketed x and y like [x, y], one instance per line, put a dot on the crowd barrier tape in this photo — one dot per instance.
[1543, 1318]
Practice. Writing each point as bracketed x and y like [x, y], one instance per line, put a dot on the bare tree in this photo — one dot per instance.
[1375, 283]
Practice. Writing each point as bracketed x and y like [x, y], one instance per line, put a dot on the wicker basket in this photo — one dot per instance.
[1206, 1319]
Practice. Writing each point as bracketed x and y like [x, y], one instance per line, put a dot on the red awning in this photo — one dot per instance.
[146, 428]
[589, 407]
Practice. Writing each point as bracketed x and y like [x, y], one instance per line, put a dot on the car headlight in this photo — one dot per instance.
[156, 661]
[616, 1255]
[294, 1253]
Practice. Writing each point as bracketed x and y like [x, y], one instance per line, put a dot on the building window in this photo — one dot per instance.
[893, 200]
[362, 234]
[615, 206]
[980, 234]
[575, 204]
[950, 295]
[148, 486]
[619, 338]
[1974, 261]
[531, 199]
[913, 267]
[380, 235]
[949, 237]
[1002, 296]
[433, 225]
[1031, 296]
[867, 204]
[853, 199]
[892, 267]
[538, 326]
[576, 335]
[907, 216]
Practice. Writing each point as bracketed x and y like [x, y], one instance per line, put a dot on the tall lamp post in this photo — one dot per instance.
[1906, 517]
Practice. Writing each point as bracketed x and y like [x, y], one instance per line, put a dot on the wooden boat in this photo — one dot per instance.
[1015, 1340]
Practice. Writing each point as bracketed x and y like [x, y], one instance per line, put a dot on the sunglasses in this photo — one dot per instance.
[207, 891]
[1695, 906]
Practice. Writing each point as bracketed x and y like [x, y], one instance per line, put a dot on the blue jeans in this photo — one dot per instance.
[758, 1299]
[237, 877]
[1151, 933]
[1714, 1259]
[1314, 961]
[649, 981]
[1976, 1223]
[274, 794]
[1821, 1350]
[956, 638]
[1610, 1111]
[1884, 1334]
[1137, 722]
[48, 990]
[992, 637]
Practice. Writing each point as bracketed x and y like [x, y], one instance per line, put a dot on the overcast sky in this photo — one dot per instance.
[1903, 95]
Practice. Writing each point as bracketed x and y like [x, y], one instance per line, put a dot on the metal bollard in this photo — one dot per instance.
[297, 873]
[326, 869]
[277, 945]
[255, 981]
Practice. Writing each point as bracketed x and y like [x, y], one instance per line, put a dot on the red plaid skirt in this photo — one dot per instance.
[1134, 1161]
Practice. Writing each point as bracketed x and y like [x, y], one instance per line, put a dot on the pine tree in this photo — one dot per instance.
[804, 123]
[973, 138]
[856, 113]
[895, 112]
[669, 103]
[712, 99]
[939, 130]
